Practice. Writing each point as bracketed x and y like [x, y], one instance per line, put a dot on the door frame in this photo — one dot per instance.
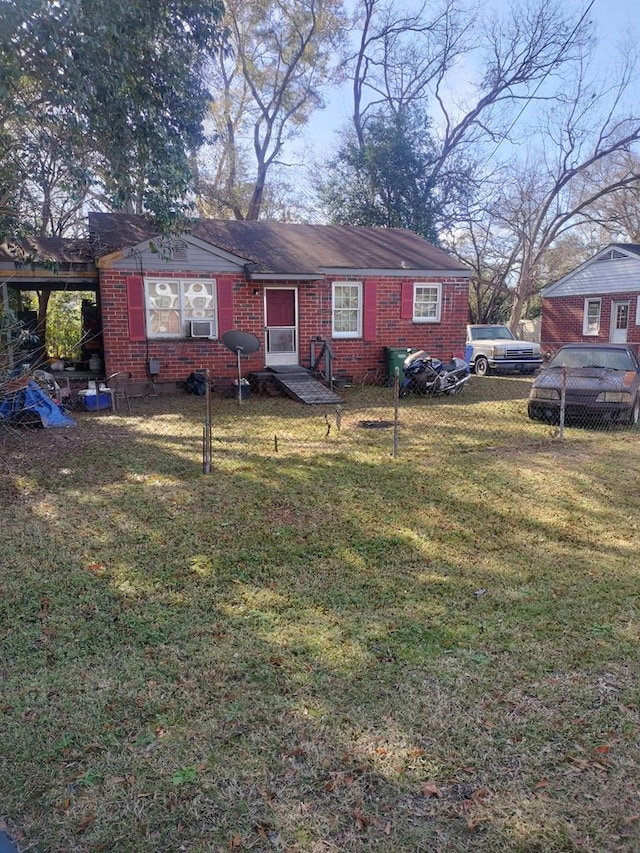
[615, 333]
[292, 357]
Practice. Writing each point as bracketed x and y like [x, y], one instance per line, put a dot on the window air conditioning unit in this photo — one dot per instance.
[201, 328]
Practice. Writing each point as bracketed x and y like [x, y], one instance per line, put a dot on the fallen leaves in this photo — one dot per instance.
[430, 789]
[472, 807]
[364, 821]
[473, 819]
[360, 819]
[85, 823]
[581, 764]
[337, 780]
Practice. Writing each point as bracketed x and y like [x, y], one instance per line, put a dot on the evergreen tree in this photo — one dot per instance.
[386, 182]
[118, 84]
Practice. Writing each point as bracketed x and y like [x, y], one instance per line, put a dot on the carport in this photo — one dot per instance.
[42, 266]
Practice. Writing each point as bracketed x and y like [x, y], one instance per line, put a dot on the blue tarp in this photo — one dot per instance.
[21, 406]
[6, 844]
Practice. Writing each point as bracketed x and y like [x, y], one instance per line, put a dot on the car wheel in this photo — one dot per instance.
[481, 366]
[634, 414]
[544, 416]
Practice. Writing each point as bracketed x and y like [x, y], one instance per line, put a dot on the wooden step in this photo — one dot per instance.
[298, 383]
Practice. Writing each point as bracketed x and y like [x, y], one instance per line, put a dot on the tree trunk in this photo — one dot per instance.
[40, 352]
[517, 309]
[255, 205]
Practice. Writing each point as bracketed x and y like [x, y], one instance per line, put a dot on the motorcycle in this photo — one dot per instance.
[427, 375]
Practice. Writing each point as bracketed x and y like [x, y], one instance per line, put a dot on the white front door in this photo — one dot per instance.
[281, 325]
[619, 322]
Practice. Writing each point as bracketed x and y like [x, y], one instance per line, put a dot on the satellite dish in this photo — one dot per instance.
[240, 343]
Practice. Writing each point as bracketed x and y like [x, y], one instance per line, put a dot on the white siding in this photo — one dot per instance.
[599, 278]
[198, 260]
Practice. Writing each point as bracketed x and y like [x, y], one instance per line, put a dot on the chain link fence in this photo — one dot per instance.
[490, 413]
[371, 419]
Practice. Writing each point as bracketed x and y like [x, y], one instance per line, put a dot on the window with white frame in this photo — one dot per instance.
[173, 304]
[347, 309]
[638, 311]
[427, 303]
[591, 319]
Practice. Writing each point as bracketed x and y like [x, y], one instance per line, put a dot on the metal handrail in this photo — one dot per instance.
[325, 352]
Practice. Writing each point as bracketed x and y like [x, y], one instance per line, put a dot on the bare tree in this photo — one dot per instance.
[284, 52]
[576, 167]
[534, 182]
[616, 217]
[401, 55]
[479, 246]
[425, 59]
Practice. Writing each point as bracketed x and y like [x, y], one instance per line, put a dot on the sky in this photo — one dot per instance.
[614, 20]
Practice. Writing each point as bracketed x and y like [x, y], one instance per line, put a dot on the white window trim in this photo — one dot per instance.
[358, 332]
[184, 322]
[432, 286]
[638, 311]
[585, 317]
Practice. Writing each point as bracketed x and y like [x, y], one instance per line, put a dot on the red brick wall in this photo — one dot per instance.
[563, 317]
[356, 357]
[352, 357]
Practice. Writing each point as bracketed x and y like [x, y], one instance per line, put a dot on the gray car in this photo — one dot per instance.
[600, 382]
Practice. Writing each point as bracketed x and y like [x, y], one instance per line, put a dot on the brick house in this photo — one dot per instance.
[598, 301]
[167, 302]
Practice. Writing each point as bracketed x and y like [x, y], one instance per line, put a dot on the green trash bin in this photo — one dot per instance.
[395, 358]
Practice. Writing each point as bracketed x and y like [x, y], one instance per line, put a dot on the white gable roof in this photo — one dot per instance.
[615, 269]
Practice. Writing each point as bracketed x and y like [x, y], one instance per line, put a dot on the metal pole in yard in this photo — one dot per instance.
[238, 351]
[206, 437]
[5, 309]
[396, 398]
[563, 401]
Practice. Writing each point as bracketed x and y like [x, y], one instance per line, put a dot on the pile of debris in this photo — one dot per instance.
[27, 402]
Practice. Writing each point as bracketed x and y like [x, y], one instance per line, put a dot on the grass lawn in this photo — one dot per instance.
[318, 650]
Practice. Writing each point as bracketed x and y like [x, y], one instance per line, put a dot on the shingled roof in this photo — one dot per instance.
[52, 251]
[630, 247]
[289, 249]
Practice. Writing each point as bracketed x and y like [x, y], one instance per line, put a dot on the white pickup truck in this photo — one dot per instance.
[495, 348]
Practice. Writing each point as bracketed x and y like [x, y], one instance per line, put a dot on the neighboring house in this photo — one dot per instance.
[166, 302]
[598, 301]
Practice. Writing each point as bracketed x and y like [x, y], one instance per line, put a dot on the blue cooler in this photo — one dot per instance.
[93, 401]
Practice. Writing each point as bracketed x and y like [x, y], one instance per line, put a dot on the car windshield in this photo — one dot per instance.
[611, 359]
[491, 333]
